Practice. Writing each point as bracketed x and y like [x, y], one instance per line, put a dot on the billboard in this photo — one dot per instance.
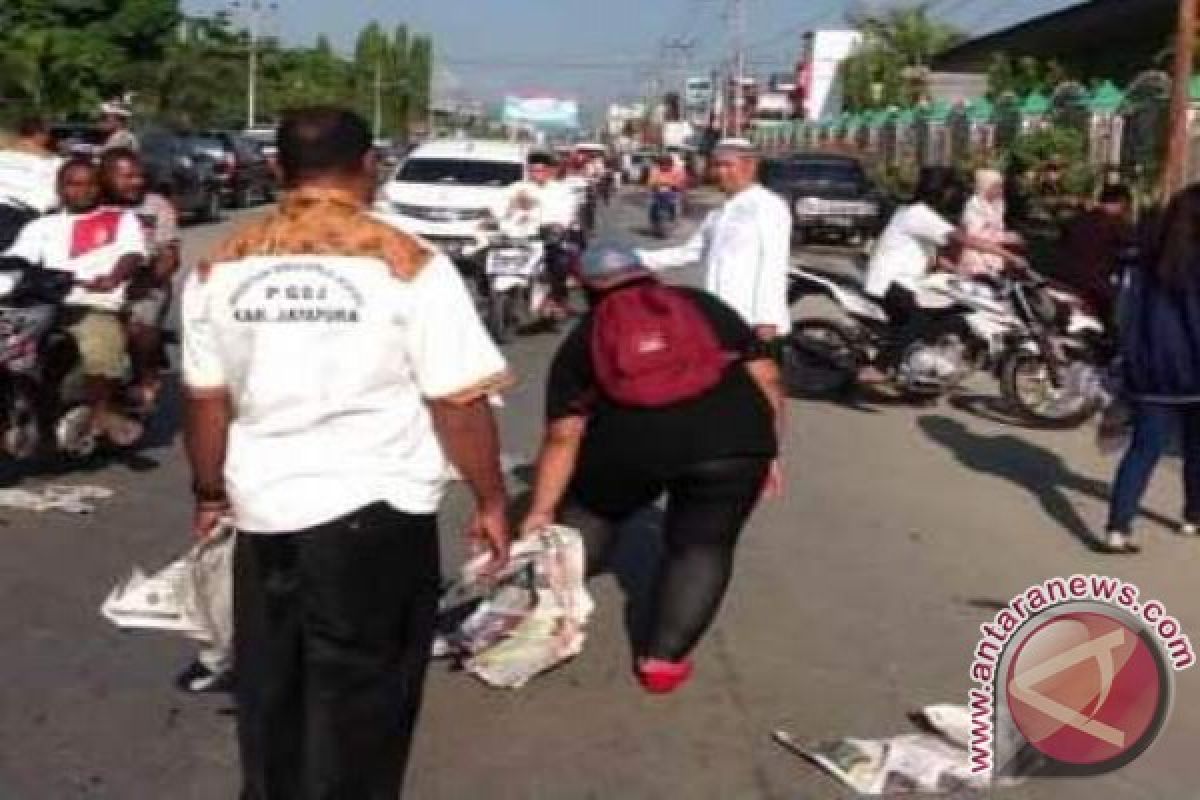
[541, 112]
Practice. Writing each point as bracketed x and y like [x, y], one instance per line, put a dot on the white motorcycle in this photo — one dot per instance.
[1038, 341]
[515, 288]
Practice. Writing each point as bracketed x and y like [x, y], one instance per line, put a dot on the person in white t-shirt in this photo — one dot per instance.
[745, 245]
[552, 203]
[28, 178]
[104, 248]
[907, 250]
[334, 367]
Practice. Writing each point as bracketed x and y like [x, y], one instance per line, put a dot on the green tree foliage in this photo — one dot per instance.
[62, 57]
[1023, 75]
[891, 66]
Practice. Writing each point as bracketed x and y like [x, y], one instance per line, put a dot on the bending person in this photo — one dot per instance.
[660, 390]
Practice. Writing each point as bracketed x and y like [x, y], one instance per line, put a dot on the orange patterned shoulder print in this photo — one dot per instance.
[324, 223]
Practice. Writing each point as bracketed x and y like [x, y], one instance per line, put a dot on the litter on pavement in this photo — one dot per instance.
[192, 596]
[928, 763]
[531, 616]
[68, 499]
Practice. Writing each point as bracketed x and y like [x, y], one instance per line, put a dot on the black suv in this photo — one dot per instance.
[175, 169]
[245, 172]
[830, 196]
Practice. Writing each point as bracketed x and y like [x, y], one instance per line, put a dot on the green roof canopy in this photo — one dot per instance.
[1035, 103]
[980, 110]
[938, 112]
[1107, 98]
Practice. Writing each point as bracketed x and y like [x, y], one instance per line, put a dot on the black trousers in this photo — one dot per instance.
[707, 506]
[907, 323]
[332, 634]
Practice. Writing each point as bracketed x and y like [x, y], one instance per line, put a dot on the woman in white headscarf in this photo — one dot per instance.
[983, 218]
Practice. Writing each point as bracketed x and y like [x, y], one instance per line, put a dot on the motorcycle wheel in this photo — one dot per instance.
[819, 358]
[939, 340]
[1028, 390]
[502, 315]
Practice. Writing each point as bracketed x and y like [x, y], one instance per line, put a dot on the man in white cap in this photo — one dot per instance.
[115, 118]
[744, 245]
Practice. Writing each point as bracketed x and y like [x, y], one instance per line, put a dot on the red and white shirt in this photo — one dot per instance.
[89, 245]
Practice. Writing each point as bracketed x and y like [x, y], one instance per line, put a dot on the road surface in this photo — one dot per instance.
[858, 597]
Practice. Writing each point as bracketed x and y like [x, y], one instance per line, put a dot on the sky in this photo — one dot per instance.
[598, 50]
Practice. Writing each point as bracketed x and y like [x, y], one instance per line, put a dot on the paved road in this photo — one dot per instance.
[858, 597]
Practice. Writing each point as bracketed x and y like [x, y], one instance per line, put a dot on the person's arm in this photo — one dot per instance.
[208, 409]
[775, 253]
[468, 436]
[168, 260]
[680, 256]
[555, 466]
[456, 366]
[766, 375]
[984, 245]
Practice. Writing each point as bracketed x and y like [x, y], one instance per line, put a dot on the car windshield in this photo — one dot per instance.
[817, 173]
[207, 144]
[459, 172]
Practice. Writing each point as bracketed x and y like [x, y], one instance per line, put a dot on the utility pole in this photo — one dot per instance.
[254, 12]
[378, 117]
[1177, 143]
[681, 48]
[738, 23]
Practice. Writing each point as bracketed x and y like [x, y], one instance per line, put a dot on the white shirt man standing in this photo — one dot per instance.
[332, 364]
[744, 245]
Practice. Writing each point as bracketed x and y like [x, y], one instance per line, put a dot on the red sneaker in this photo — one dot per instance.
[662, 677]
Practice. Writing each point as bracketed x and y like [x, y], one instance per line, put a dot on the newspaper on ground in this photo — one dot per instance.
[532, 615]
[927, 763]
[55, 497]
[192, 595]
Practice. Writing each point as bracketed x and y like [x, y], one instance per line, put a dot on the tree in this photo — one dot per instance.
[891, 66]
[1023, 75]
[420, 75]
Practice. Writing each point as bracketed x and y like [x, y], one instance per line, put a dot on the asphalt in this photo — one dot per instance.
[858, 597]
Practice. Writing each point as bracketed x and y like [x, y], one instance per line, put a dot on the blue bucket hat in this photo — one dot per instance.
[609, 264]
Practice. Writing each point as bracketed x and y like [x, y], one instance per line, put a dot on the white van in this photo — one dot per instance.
[444, 190]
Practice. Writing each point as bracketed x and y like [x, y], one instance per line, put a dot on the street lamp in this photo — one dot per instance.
[254, 12]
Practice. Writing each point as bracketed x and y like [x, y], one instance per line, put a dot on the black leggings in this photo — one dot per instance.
[707, 507]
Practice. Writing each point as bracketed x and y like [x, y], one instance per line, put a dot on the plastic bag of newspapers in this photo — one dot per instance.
[192, 596]
[530, 617]
[912, 763]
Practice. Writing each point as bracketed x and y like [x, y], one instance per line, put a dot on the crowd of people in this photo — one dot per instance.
[335, 367]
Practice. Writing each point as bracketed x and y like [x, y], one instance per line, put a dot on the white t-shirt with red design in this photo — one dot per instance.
[89, 245]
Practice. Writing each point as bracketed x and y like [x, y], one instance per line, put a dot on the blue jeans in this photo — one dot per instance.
[1153, 424]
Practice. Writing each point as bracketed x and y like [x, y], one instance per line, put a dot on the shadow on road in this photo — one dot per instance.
[1035, 469]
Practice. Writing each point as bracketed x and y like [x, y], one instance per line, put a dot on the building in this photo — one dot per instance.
[819, 71]
[1110, 39]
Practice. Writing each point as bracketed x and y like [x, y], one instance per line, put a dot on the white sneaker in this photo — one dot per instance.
[1133, 543]
[1189, 529]
[1116, 542]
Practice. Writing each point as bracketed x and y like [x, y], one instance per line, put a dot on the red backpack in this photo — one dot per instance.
[652, 347]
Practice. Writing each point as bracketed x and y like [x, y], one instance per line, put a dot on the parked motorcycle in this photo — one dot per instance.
[42, 401]
[1034, 338]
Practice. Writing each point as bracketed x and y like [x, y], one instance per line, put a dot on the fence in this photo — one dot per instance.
[1123, 129]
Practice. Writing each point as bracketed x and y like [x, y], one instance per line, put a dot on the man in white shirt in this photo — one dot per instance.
[553, 204]
[103, 247]
[332, 365]
[906, 251]
[115, 120]
[28, 178]
[745, 245]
